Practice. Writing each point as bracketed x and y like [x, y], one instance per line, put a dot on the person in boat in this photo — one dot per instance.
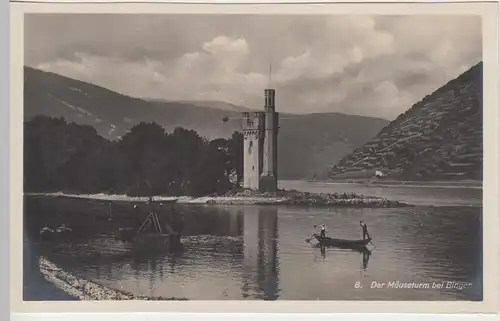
[366, 235]
[322, 232]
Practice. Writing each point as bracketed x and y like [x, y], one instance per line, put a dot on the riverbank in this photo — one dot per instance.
[38, 288]
[81, 289]
[249, 197]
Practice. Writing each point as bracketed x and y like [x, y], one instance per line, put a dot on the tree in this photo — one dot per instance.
[235, 152]
[145, 161]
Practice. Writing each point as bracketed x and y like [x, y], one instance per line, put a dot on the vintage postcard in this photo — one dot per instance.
[203, 158]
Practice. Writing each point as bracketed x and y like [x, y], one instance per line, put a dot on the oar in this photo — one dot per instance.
[371, 241]
[309, 238]
[373, 244]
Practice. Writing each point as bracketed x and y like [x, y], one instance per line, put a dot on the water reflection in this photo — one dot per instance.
[212, 220]
[366, 253]
[259, 252]
[249, 236]
[366, 258]
[446, 241]
[444, 238]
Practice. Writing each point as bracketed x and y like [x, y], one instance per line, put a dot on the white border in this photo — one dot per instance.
[251, 317]
[491, 143]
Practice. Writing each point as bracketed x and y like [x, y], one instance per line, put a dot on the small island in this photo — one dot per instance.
[251, 197]
[297, 198]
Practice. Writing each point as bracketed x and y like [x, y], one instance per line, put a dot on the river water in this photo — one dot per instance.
[260, 252]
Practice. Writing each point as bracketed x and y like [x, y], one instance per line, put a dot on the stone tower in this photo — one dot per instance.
[252, 149]
[269, 177]
[260, 146]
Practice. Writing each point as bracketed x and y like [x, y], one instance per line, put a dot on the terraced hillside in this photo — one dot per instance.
[438, 138]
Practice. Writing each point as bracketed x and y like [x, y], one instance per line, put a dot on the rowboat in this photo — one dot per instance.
[152, 234]
[341, 243]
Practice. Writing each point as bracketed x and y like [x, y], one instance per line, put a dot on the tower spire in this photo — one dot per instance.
[270, 75]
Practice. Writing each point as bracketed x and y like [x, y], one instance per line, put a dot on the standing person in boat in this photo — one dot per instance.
[323, 230]
[365, 230]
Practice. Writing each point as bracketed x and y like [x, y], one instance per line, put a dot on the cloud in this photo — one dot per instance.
[368, 65]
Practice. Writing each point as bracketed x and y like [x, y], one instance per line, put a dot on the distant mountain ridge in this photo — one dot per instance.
[205, 103]
[112, 113]
[438, 138]
[308, 144]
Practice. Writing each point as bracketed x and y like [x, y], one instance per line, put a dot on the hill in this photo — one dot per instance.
[438, 138]
[308, 143]
[222, 105]
[111, 113]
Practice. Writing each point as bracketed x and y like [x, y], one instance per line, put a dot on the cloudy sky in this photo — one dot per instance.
[365, 65]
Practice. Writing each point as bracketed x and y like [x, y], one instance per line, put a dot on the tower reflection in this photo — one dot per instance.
[260, 262]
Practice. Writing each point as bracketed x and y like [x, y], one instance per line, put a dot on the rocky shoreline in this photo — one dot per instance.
[249, 197]
[297, 198]
[86, 290]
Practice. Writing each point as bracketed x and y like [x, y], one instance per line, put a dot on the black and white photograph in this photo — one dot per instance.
[258, 157]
